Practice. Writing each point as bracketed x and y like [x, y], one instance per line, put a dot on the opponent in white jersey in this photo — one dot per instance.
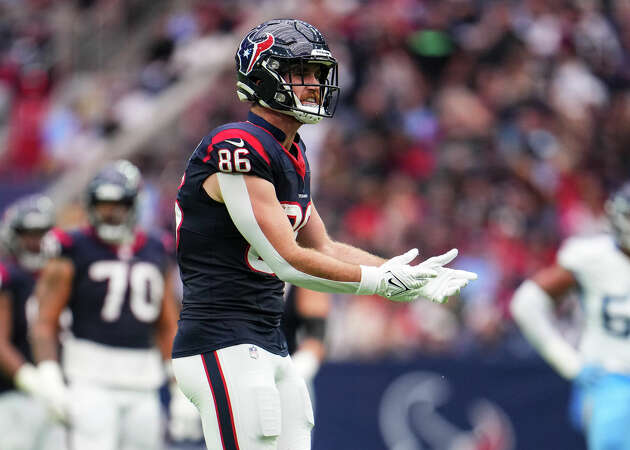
[599, 266]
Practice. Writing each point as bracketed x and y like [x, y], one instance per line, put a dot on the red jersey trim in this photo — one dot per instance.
[298, 163]
[237, 133]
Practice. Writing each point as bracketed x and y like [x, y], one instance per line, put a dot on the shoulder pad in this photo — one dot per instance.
[55, 242]
[578, 251]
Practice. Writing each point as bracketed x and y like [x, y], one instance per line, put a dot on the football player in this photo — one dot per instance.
[599, 268]
[25, 422]
[111, 276]
[245, 225]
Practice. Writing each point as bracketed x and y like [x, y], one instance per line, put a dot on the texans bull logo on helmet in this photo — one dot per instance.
[251, 51]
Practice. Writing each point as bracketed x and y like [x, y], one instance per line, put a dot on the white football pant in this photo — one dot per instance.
[26, 425]
[248, 399]
[105, 418]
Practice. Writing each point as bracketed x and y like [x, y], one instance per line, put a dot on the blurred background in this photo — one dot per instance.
[497, 127]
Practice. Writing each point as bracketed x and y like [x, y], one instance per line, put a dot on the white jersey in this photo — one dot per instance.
[602, 272]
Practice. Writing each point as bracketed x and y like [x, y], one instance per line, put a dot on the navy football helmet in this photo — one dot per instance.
[272, 59]
[116, 184]
[24, 224]
[618, 210]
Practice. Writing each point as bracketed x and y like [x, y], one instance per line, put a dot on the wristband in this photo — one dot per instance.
[370, 277]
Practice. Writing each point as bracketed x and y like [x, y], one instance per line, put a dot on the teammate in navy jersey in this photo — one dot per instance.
[245, 225]
[112, 277]
[25, 422]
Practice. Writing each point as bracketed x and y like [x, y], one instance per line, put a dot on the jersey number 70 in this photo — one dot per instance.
[143, 280]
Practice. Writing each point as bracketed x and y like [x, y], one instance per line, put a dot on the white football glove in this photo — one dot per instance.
[53, 390]
[446, 283]
[185, 422]
[306, 363]
[395, 278]
[27, 379]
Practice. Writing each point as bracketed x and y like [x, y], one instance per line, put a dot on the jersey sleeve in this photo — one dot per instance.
[57, 244]
[237, 151]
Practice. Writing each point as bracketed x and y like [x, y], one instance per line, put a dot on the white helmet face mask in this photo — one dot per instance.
[114, 234]
[117, 231]
[618, 210]
[117, 185]
[23, 227]
[31, 261]
[31, 257]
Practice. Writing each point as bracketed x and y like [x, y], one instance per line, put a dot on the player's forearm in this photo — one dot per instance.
[44, 342]
[531, 308]
[318, 264]
[164, 340]
[315, 346]
[52, 292]
[10, 359]
[349, 254]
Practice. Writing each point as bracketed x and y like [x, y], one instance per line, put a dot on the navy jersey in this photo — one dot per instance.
[18, 285]
[230, 295]
[117, 292]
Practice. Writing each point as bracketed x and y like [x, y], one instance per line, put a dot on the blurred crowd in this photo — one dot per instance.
[497, 127]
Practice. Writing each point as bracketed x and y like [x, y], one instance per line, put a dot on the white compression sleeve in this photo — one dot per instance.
[532, 309]
[236, 198]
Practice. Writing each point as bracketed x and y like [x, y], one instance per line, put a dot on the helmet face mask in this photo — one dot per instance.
[115, 221]
[273, 63]
[297, 76]
[112, 198]
[23, 226]
[618, 211]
